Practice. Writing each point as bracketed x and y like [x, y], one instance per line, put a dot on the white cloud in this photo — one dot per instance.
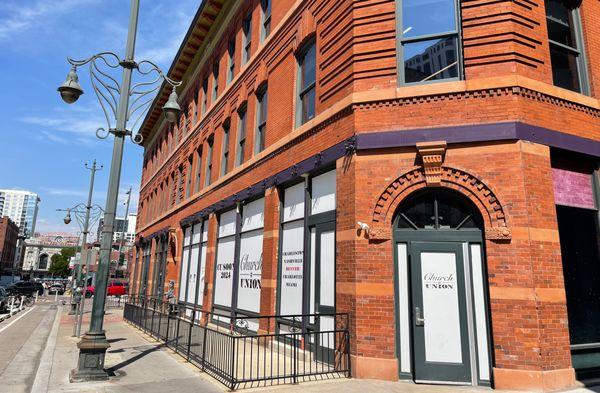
[17, 18]
[63, 192]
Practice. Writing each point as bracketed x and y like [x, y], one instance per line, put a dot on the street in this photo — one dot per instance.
[23, 339]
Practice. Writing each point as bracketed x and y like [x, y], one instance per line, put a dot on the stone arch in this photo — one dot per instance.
[492, 210]
[43, 261]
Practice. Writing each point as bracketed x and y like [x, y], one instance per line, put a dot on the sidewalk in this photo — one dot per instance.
[140, 364]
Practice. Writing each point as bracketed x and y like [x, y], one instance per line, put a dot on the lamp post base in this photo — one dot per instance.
[73, 309]
[90, 366]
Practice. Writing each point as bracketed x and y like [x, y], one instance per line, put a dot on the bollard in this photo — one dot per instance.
[36, 297]
[12, 303]
[56, 296]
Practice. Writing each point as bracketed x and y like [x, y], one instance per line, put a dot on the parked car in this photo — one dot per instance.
[22, 288]
[114, 289]
[39, 287]
[56, 288]
[3, 300]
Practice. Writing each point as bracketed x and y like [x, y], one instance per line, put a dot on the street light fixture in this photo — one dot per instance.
[114, 98]
[67, 219]
[70, 91]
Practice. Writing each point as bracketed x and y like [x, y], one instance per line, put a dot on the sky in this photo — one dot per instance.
[45, 143]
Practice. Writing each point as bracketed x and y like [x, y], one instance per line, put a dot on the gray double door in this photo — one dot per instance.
[440, 328]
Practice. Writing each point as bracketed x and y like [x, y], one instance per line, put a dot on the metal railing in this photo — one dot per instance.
[248, 351]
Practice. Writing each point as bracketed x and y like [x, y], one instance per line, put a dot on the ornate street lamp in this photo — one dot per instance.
[114, 98]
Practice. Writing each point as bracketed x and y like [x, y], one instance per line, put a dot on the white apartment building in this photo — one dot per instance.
[21, 207]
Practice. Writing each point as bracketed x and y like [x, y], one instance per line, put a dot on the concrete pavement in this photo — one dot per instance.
[40, 352]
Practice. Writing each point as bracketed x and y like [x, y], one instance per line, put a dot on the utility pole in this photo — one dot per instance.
[121, 253]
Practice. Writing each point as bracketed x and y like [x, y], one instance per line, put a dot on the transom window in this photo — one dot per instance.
[429, 40]
[564, 35]
[308, 76]
[438, 210]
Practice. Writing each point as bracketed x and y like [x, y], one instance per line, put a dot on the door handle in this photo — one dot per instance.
[419, 320]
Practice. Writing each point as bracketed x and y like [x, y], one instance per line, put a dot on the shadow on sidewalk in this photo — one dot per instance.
[134, 359]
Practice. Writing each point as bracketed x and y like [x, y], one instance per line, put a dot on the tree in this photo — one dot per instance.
[59, 263]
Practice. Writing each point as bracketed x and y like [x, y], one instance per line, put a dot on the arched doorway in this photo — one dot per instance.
[441, 289]
[43, 262]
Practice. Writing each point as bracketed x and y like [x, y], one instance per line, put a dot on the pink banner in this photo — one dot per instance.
[573, 189]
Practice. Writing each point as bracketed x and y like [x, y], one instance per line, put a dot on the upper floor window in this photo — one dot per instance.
[241, 136]
[215, 92]
[179, 184]
[307, 74]
[209, 154]
[265, 6]
[261, 121]
[198, 169]
[188, 186]
[204, 95]
[247, 28]
[225, 155]
[231, 68]
[566, 55]
[428, 43]
[195, 103]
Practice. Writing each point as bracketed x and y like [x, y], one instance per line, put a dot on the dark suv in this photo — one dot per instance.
[21, 288]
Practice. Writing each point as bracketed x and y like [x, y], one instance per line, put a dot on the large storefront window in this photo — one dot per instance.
[577, 198]
[193, 265]
[239, 260]
[307, 279]
[145, 268]
[160, 266]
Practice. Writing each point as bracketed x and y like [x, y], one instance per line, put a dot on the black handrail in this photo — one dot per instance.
[239, 357]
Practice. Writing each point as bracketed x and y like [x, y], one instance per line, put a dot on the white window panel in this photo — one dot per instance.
[193, 274]
[253, 216]
[293, 203]
[227, 223]
[205, 231]
[188, 236]
[196, 235]
[323, 193]
[184, 275]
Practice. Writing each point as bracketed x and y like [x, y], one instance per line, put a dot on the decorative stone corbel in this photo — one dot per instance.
[432, 154]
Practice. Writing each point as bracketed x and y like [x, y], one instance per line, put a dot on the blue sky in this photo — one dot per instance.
[45, 143]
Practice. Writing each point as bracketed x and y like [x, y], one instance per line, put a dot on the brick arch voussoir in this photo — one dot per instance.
[487, 202]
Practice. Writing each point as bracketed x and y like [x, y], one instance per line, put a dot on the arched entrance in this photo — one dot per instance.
[442, 332]
[43, 262]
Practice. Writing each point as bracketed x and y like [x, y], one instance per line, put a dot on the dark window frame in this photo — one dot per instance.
[231, 65]
[241, 135]
[303, 90]
[262, 103]
[247, 30]
[265, 25]
[578, 50]
[209, 159]
[215, 87]
[225, 147]
[401, 41]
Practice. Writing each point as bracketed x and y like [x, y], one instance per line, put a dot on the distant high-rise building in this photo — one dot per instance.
[21, 207]
[123, 227]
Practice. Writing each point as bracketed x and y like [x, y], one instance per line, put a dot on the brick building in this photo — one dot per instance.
[430, 168]
[9, 233]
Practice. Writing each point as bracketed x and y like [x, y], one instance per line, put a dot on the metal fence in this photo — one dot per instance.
[249, 351]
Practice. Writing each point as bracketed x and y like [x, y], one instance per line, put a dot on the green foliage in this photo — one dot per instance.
[59, 263]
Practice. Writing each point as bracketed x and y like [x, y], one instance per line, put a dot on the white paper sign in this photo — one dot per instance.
[250, 271]
[292, 255]
[440, 307]
[224, 271]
